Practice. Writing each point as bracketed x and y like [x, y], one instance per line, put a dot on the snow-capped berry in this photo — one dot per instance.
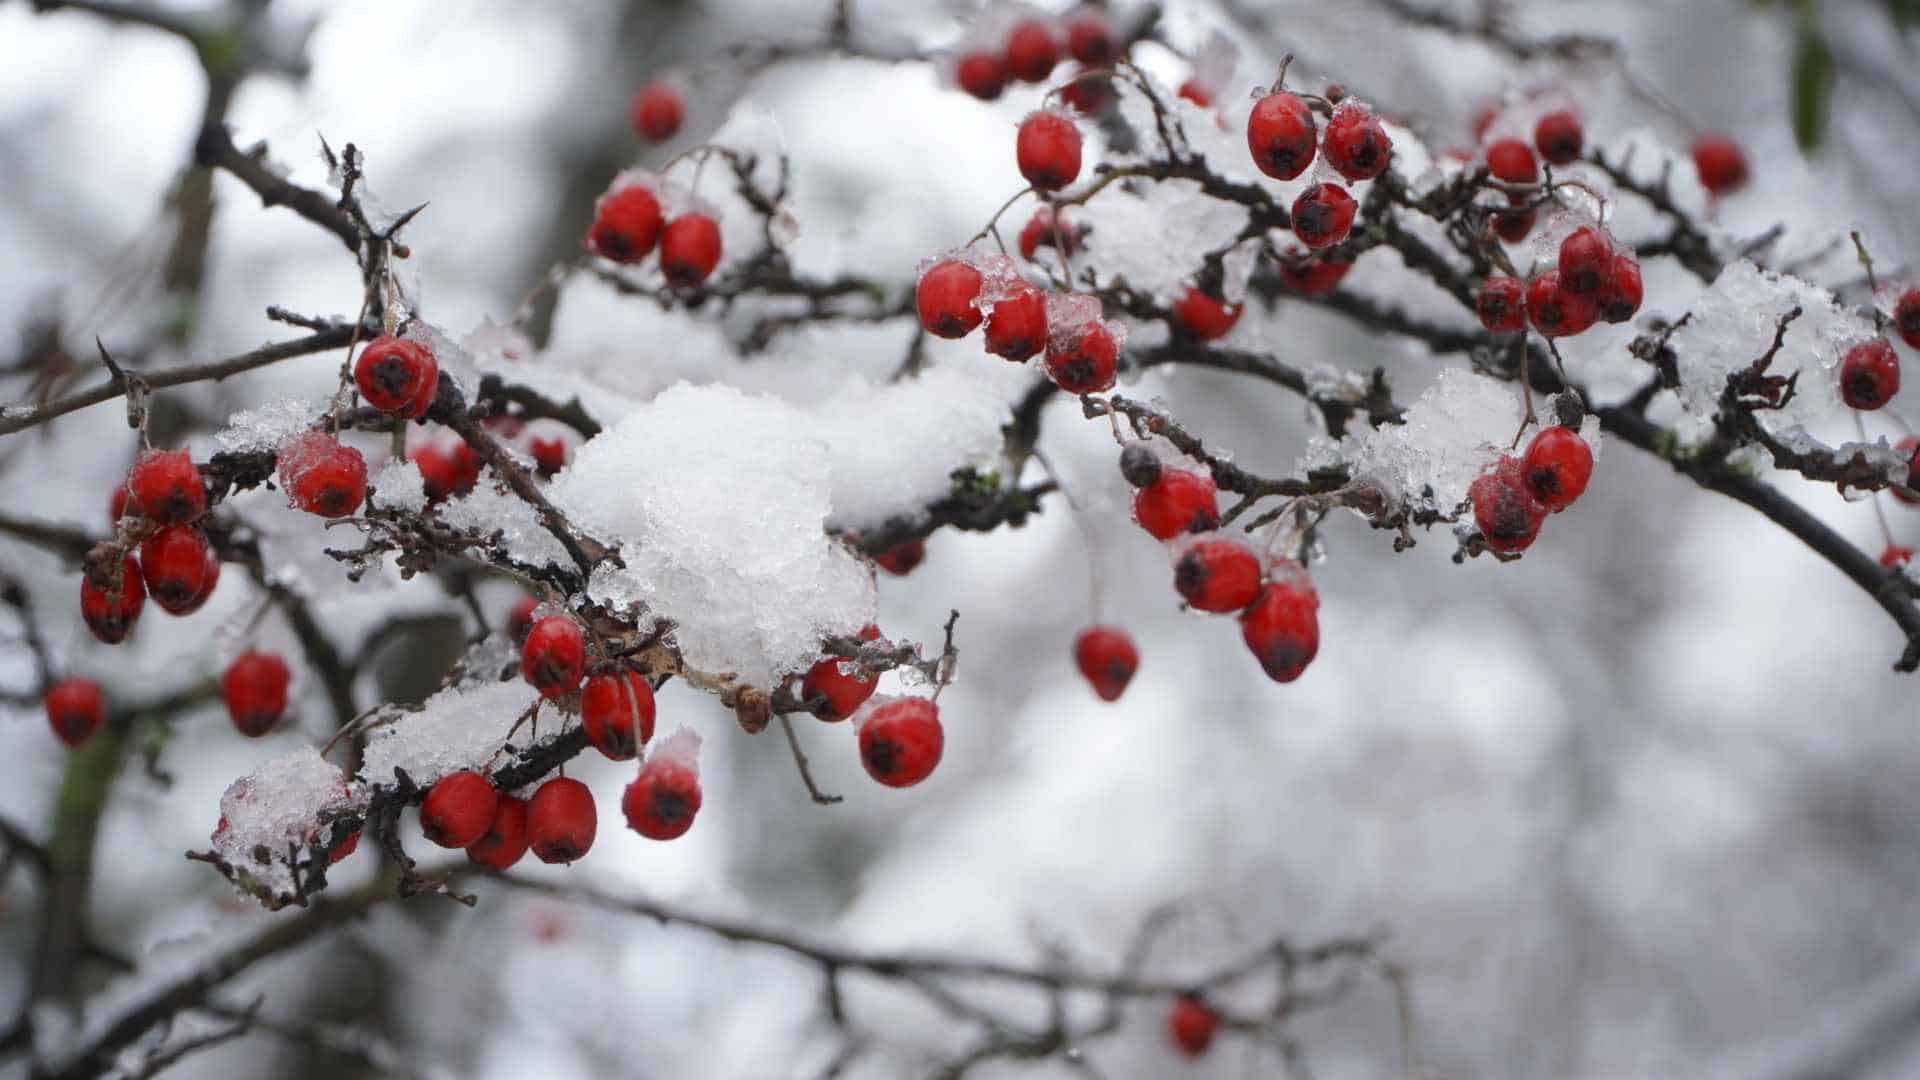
[1017, 325]
[394, 375]
[1559, 137]
[1906, 317]
[1556, 312]
[626, 225]
[458, 809]
[900, 559]
[321, 475]
[981, 74]
[1721, 165]
[1514, 223]
[1106, 656]
[1280, 135]
[439, 476]
[1179, 501]
[1090, 38]
[1557, 466]
[1586, 260]
[1909, 446]
[1191, 1024]
[255, 689]
[110, 609]
[554, 657]
[505, 840]
[1200, 95]
[549, 455]
[1312, 277]
[1046, 228]
[661, 802]
[657, 111]
[1322, 215]
[1355, 144]
[1620, 295]
[1896, 555]
[1870, 374]
[612, 708]
[1139, 464]
[1083, 359]
[1512, 161]
[561, 820]
[1205, 317]
[520, 618]
[173, 567]
[1504, 507]
[1047, 149]
[945, 298]
[1217, 575]
[165, 485]
[835, 687]
[901, 741]
[1282, 627]
[689, 250]
[1501, 303]
[1031, 51]
[75, 710]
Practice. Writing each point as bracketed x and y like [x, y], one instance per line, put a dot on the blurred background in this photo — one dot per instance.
[1641, 804]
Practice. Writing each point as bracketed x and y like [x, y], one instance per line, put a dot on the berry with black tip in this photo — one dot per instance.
[1107, 658]
[613, 707]
[1282, 626]
[561, 820]
[165, 485]
[661, 803]
[1557, 465]
[1622, 292]
[946, 298]
[900, 559]
[1870, 375]
[1090, 38]
[1501, 303]
[397, 376]
[1217, 575]
[505, 840]
[1906, 317]
[109, 607]
[1031, 51]
[1083, 359]
[321, 475]
[458, 809]
[1017, 325]
[173, 567]
[626, 225]
[1355, 144]
[75, 710]
[657, 111]
[255, 690]
[901, 741]
[689, 249]
[1505, 508]
[1586, 260]
[554, 657]
[1047, 149]
[1555, 311]
[1559, 137]
[1323, 214]
[1280, 135]
[982, 74]
[835, 686]
[1178, 501]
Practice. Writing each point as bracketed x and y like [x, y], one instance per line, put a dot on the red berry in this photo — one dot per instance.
[344, 848]
[1721, 165]
[1502, 304]
[1505, 508]
[1896, 556]
[1555, 311]
[835, 687]
[1870, 374]
[1087, 91]
[901, 741]
[1031, 52]
[1179, 501]
[1191, 1025]
[1355, 144]
[1513, 224]
[117, 502]
[1906, 317]
[520, 619]
[1084, 359]
[506, 837]
[549, 455]
[1017, 326]
[1280, 135]
[981, 74]
[75, 710]
[255, 687]
[1047, 229]
[612, 708]
[554, 657]
[1282, 628]
[173, 566]
[206, 586]
[1090, 39]
[1322, 215]
[946, 298]
[900, 559]
[1107, 658]
[1559, 137]
[661, 802]
[321, 475]
[626, 225]
[1557, 465]
[1047, 150]
[438, 474]
[397, 376]
[1217, 575]
[657, 111]
[109, 608]
[1512, 161]
[1910, 446]
[1483, 121]
[1196, 93]
[165, 486]
[1586, 260]
[689, 250]
[1312, 277]
[1203, 316]
[1620, 295]
[561, 820]
[458, 809]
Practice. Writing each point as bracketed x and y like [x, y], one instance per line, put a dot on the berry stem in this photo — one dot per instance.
[991, 228]
[1873, 285]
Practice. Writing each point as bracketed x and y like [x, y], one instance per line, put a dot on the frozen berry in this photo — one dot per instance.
[612, 708]
[439, 476]
[561, 820]
[1203, 316]
[901, 741]
[506, 837]
[946, 298]
[554, 657]
[207, 583]
[1031, 52]
[1559, 137]
[1909, 446]
[1721, 165]
[1107, 658]
[1514, 223]
[835, 687]
[626, 225]
[1511, 161]
[1322, 215]
[1191, 1025]
[900, 559]
[1047, 150]
[1179, 501]
[344, 848]
[1621, 293]
[75, 710]
[1556, 312]
[1896, 556]
[1355, 144]
[165, 485]
[1312, 277]
[110, 608]
[1869, 375]
[1083, 359]
[1139, 464]
[981, 74]
[1017, 326]
[1557, 465]
[689, 250]
[1586, 260]
[1280, 135]
[549, 455]
[1504, 507]
[255, 688]
[1046, 228]
[458, 809]
[1217, 575]
[321, 475]
[662, 801]
[395, 376]
[1501, 303]
[1090, 39]
[520, 618]
[1282, 628]
[657, 111]
[173, 566]
[1906, 317]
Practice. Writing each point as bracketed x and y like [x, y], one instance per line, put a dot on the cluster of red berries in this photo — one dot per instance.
[628, 222]
[657, 110]
[1513, 497]
[1032, 48]
[1559, 138]
[1082, 350]
[1282, 134]
[1594, 280]
[900, 741]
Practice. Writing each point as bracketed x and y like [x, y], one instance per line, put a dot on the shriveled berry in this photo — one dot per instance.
[1017, 326]
[1191, 1024]
[612, 708]
[657, 111]
[439, 476]
[1721, 165]
[1282, 627]
[662, 801]
[1510, 160]
[1312, 277]
[111, 608]
[1323, 214]
[689, 250]
[835, 687]
[1280, 135]
[1047, 149]
[946, 298]
[554, 657]
[1557, 466]
[1205, 317]
[1906, 317]
[505, 840]
[458, 809]
[1179, 501]
[561, 820]
[1139, 464]
[255, 689]
[1621, 294]
[900, 559]
[1031, 51]
[1107, 658]
[1084, 359]
[1501, 303]
[1355, 144]
[1217, 575]
[1556, 312]
[1514, 223]
[1559, 137]
[520, 618]
[1586, 260]
[901, 741]
[981, 74]
[1909, 446]
[1870, 374]
[1504, 507]
[75, 710]
[1047, 229]
[173, 567]
[322, 475]
[626, 225]
[165, 486]
[1090, 38]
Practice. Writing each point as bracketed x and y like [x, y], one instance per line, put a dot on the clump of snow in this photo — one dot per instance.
[270, 815]
[269, 425]
[487, 510]
[461, 727]
[1156, 238]
[399, 486]
[893, 446]
[681, 748]
[1459, 426]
